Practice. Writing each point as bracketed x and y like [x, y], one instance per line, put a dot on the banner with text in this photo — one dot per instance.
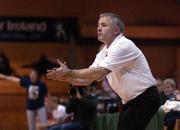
[39, 29]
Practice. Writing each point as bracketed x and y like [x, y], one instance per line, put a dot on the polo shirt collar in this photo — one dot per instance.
[119, 36]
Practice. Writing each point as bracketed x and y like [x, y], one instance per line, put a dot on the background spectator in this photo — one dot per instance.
[36, 92]
[83, 108]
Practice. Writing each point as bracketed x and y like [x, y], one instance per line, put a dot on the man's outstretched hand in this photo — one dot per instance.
[60, 74]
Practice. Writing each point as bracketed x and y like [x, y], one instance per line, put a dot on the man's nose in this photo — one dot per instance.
[99, 29]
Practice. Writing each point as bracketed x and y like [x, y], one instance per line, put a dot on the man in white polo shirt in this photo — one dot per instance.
[126, 69]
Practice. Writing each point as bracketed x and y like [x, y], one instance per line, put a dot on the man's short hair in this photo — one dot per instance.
[116, 20]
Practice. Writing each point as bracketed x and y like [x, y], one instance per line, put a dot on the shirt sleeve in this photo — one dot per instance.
[120, 56]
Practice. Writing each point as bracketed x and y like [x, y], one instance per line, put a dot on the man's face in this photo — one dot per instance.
[105, 30]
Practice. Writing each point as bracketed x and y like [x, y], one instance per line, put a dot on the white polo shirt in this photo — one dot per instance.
[130, 73]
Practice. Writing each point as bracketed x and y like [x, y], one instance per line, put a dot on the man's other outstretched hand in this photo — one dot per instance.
[60, 74]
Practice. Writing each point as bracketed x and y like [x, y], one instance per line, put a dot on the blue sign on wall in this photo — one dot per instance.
[39, 29]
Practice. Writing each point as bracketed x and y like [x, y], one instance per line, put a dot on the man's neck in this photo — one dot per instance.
[110, 42]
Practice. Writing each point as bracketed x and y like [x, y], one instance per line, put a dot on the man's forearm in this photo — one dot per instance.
[63, 73]
[89, 73]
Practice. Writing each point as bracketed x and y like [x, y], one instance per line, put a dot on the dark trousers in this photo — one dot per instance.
[136, 113]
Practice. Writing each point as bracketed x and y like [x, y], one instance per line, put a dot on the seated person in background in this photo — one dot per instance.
[42, 65]
[5, 67]
[58, 111]
[84, 111]
[93, 92]
[169, 87]
[172, 95]
[36, 93]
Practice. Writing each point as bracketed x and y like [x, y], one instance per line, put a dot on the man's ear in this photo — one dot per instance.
[116, 31]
